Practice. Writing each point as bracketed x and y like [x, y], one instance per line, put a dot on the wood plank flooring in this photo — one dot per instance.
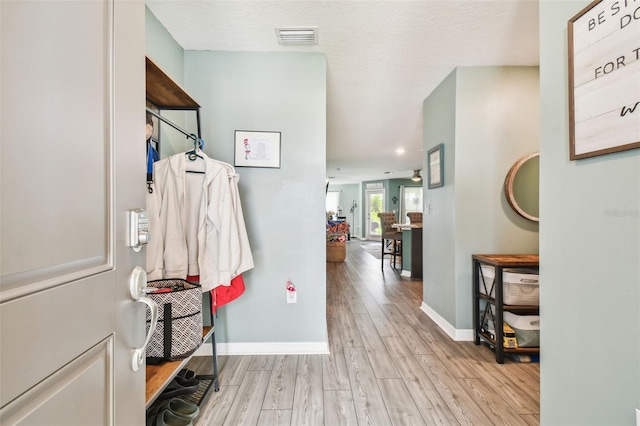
[389, 365]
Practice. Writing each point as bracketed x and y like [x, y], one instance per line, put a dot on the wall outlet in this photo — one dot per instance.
[292, 293]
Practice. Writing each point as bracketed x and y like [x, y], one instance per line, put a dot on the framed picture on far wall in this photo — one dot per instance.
[435, 167]
[257, 149]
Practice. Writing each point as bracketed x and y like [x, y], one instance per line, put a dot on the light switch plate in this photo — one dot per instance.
[292, 296]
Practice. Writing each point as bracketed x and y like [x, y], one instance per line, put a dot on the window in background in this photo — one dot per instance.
[333, 202]
[410, 200]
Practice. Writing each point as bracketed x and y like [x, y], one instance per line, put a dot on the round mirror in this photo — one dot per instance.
[521, 187]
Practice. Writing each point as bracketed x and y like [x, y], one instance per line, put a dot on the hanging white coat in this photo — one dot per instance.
[195, 226]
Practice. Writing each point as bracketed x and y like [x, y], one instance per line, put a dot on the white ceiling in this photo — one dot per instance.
[383, 59]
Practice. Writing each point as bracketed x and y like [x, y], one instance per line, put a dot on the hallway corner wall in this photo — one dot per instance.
[589, 255]
[284, 208]
[487, 118]
[169, 55]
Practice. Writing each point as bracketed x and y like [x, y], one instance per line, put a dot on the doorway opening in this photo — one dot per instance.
[374, 204]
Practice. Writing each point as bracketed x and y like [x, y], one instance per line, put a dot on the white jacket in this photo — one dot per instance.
[246, 258]
[196, 223]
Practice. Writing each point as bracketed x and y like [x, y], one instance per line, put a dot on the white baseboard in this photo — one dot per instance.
[462, 335]
[265, 348]
[405, 273]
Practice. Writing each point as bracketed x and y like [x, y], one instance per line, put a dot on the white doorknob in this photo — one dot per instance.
[137, 284]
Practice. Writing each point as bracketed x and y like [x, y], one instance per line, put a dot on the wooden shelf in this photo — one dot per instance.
[508, 260]
[160, 375]
[164, 92]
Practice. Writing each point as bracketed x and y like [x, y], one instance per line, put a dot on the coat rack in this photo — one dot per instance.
[175, 126]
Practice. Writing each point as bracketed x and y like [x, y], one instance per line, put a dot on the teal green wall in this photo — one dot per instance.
[487, 118]
[169, 55]
[163, 49]
[391, 189]
[438, 243]
[590, 258]
[284, 208]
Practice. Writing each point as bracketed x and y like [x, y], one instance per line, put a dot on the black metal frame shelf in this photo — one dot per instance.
[499, 262]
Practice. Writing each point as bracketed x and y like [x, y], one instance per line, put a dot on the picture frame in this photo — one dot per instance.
[604, 79]
[257, 149]
[435, 167]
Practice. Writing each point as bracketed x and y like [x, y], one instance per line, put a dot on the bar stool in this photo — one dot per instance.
[391, 238]
[415, 217]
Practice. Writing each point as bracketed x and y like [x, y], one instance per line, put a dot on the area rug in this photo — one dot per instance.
[374, 249]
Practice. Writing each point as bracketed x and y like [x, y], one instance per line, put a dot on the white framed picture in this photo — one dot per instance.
[257, 149]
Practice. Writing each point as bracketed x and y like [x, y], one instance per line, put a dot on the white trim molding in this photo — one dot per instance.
[265, 348]
[463, 335]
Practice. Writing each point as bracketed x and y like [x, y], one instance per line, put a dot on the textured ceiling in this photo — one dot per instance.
[383, 59]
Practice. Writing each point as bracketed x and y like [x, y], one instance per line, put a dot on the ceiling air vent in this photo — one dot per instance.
[297, 35]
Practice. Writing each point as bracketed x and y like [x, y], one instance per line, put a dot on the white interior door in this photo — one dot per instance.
[72, 127]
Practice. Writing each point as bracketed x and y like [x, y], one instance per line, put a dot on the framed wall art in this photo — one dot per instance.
[257, 149]
[435, 167]
[604, 78]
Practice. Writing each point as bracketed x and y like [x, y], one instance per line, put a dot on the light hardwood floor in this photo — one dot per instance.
[389, 365]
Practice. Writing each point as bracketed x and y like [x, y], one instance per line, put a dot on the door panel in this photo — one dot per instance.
[72, 131]
[79, 387]
[71, 314]
[55, 114]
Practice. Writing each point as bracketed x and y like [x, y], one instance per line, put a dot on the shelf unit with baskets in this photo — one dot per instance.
[483, 301]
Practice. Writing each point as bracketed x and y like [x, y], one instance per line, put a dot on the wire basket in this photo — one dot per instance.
[336, 251]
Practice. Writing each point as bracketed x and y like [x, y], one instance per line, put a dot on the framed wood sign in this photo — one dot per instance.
[604, 78]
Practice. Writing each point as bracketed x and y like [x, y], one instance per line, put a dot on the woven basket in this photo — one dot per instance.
[336, 251]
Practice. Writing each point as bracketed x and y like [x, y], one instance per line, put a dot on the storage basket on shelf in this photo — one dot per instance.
[179, 330]
[519, 286]
[526, 327]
